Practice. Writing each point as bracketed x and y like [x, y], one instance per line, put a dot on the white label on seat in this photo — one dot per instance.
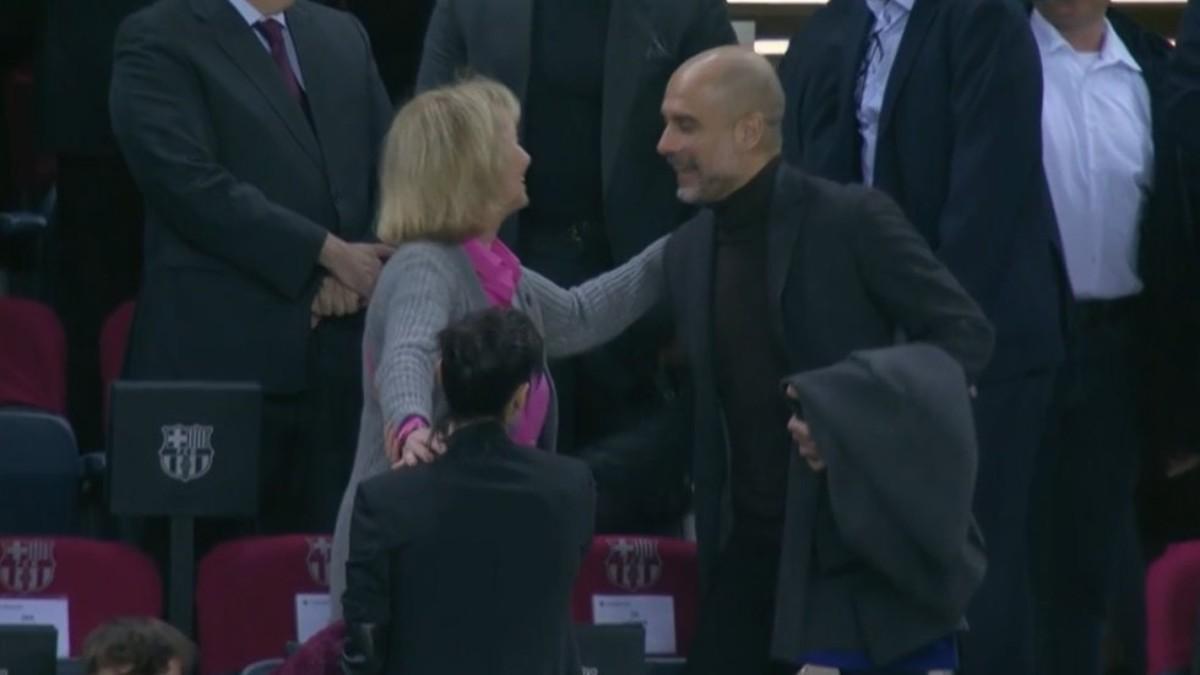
[655, 612]
[312, 614]
[39, 611]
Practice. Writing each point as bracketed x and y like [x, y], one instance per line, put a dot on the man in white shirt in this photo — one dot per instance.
[1099, 151]
[937, 103]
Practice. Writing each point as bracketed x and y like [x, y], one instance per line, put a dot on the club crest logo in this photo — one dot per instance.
[26, 566]
[319, 551]
[186, 453]
[633, 564]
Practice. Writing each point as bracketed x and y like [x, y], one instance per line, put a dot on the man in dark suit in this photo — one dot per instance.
[98, 225]
[1104, 86]
[1184, 105]
[466, 565]
[936, 103]
[780, 273]
[590, 75]
[397, 32]
[252, 128]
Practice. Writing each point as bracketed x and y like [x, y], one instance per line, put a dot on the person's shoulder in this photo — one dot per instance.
[847, 207]
[331, 18]
[984, 18]
[559, 471]
[396, 485]
[420, 258]
[164, 18]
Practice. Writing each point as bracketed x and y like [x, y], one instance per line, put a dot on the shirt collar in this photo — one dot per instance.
[1112, 52]
[251, 15]
[876, 6]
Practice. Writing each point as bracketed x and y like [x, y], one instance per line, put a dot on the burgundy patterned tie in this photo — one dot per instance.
[272, 31]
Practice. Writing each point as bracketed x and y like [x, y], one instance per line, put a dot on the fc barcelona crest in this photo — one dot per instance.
[319, 551]
[633, 564]
[26, 566]
[186, 453]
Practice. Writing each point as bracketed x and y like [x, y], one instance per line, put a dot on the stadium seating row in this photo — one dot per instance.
[254, 596]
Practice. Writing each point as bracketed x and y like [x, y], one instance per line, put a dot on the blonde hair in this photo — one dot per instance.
[443, 162]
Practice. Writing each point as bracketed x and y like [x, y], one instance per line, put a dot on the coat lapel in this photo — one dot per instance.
[854, 46]
[320, 83]
[783, 232]
[919, 21]
[699, 284]
[248, 54]
[631, 41]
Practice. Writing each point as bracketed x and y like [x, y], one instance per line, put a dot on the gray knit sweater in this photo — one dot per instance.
[426, 286]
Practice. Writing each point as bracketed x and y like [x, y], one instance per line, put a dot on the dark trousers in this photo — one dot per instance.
[737, 612]
[1010, 416]
[98, 253]
[309, 438]
[1083, 513]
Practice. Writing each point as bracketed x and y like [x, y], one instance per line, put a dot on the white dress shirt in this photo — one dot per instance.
[891, 18]
[252, 16]
[1098, 151]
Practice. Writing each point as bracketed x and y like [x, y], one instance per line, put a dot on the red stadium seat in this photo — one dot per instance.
[246, 597]
[33, 362]
[642, 566]
[100, 580]
[33, 171]
[1172, 603]
[114, 337]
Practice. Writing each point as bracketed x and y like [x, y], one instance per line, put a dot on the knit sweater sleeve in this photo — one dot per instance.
[598, 310]
[420, 302]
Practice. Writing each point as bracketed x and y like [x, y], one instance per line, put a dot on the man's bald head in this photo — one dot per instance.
[723, 110]
[741, 83]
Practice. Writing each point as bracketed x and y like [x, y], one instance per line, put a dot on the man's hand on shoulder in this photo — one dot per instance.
[356, 266]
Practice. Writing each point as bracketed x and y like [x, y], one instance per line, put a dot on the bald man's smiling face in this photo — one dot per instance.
[699, 139]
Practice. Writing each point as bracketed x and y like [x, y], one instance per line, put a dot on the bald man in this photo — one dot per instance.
[781, 273]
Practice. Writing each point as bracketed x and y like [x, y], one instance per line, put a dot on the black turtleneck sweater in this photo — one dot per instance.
[563, 110]
[749, 361]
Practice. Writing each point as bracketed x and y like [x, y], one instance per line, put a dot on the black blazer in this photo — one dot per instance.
[1185, 78]
[397, 30]
[960, 150]
[845, 272]
[647, 41]
[466, 565]
[74, 69]
[240, 188]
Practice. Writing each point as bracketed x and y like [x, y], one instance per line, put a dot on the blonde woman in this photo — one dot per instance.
[452, 171]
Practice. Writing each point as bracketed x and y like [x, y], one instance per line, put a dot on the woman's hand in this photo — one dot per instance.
[420, 446]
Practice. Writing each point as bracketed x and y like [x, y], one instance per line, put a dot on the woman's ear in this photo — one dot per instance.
[517, 403]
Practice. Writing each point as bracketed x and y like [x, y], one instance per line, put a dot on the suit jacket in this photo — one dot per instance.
[75, 67]
[896, 431]
[466, 565]
[845, 272]
[1184, 105]
[397, 30]
[647, 41]
[1170, 329]
[240, 189]
[959, 150]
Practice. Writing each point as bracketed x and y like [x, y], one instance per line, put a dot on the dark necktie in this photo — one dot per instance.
[272, 31]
